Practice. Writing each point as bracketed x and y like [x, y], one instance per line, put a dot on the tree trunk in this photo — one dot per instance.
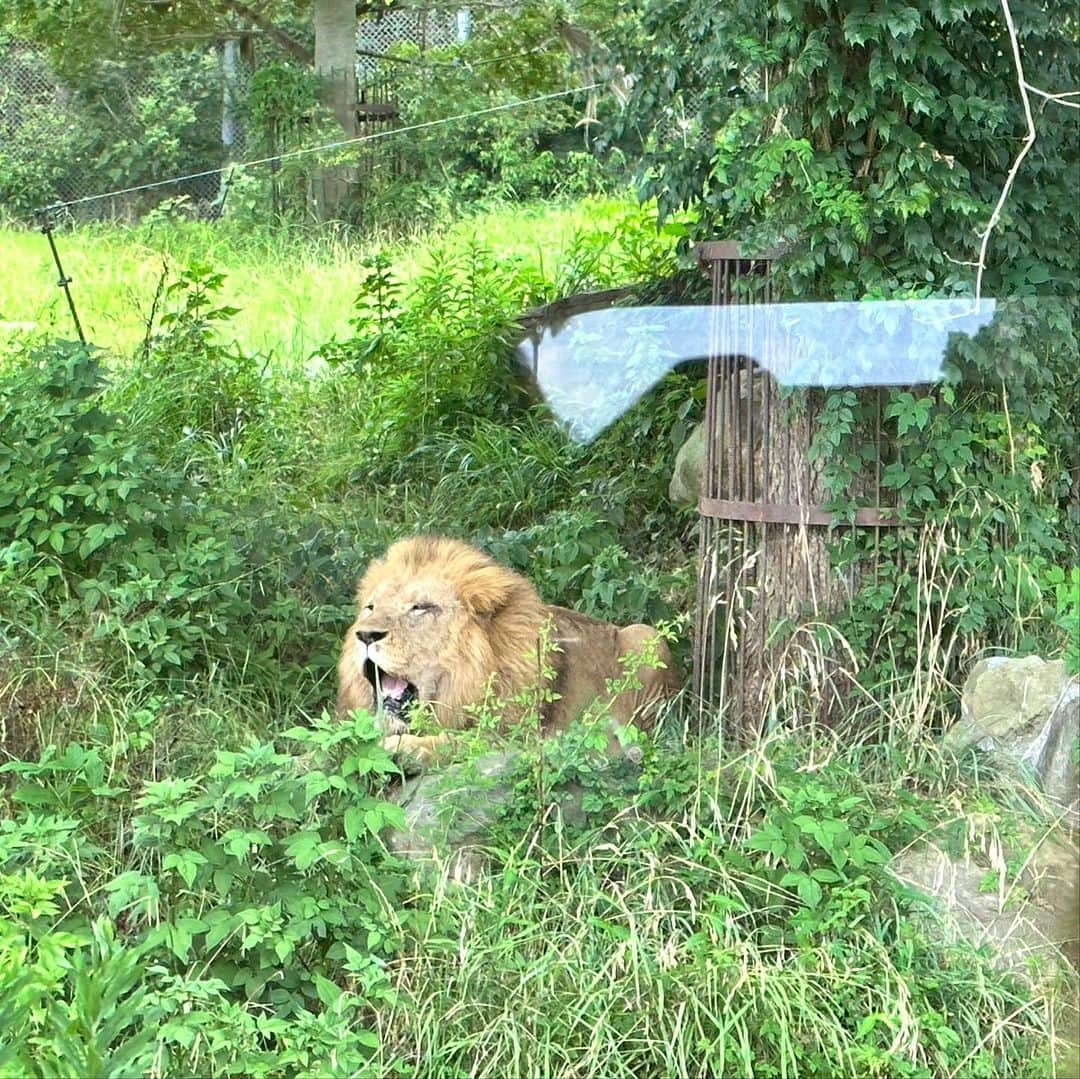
[335, 64]
[230, 121]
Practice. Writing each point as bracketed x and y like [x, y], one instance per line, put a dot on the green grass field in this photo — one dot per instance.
[293, 294]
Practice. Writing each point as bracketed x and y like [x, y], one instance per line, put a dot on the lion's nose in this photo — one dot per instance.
[370, 636]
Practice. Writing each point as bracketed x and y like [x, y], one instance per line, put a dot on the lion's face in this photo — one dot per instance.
[405, 640]
[423, 632]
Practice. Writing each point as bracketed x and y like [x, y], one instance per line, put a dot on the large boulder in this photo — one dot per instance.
[685, 486]
[449, 812]
[1027, 710]
[1030, 916]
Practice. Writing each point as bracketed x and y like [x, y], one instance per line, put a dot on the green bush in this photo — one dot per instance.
[96, 526]
[108, 125]
[250, 933]
[985, 470]
[576, 559]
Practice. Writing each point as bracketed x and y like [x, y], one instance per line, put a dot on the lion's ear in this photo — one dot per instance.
[487, 591]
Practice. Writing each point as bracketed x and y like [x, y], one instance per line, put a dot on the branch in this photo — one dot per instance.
[296, 49]
[1029, 141]
[1059, 98]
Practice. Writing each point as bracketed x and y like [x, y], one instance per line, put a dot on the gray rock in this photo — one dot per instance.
[1030, 917]
[449, 813]
[1027, 710]
[685, 486]
[1058, 762]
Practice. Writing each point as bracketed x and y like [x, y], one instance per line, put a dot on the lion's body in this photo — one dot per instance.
[442, 623]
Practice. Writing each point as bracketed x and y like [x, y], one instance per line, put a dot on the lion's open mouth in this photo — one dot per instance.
[393, 695]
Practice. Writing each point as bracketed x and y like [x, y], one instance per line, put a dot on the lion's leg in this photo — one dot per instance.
[423, 750]
[654, 674]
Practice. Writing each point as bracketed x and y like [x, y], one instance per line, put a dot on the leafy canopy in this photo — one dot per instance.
[875, 138]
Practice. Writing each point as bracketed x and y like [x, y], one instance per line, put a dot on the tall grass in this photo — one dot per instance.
[650, 947]
[294, 292]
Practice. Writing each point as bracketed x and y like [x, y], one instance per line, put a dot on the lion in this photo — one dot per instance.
[443, 624]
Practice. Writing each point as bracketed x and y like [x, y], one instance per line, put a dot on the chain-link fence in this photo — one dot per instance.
[129, 123]
[123, 124]
[108, 140]
[377, 35]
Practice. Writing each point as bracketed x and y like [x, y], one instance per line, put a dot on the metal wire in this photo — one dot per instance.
[336, 145]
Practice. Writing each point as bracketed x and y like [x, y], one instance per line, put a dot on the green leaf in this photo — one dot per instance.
[354, 823]
[303, 849]
[809, 891]
[185, 862]
[328, 992]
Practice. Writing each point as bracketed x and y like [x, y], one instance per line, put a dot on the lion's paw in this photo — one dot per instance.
[411, 752]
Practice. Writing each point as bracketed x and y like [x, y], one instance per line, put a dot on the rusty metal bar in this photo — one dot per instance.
[776, 513]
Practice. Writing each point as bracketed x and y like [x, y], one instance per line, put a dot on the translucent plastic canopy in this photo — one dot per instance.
[593, 366]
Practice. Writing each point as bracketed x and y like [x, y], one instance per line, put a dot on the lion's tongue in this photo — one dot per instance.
[394, 687]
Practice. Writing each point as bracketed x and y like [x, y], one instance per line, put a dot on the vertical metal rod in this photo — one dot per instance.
[877, 480]
[742, 449]
[721, 293]
[226, 187]
[45, 215]
[704, 653]
[768, 347]
[734, 581]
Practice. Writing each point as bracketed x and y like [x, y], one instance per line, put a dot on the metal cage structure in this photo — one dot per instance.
[766, 585]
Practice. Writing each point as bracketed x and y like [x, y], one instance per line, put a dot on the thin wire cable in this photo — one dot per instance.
[354, 141]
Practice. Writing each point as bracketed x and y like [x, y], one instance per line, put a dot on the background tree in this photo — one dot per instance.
[318, 33]
[335, 64]
[81, 35]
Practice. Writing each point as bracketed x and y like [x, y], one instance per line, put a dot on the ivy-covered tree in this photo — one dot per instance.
[873, 137]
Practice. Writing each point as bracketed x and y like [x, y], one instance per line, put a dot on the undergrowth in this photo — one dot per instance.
[193, 876]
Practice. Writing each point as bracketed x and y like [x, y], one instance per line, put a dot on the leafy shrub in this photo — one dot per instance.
[985, 471]
[107, 125]
[880, 181]
[95, 524]
[541, 149]
[127, 505]
[249, 935]
[576, 559]
[191, 390]
[736, 920]
[40, 143]
[435, 358]
[73, 1003]
[1066, 611]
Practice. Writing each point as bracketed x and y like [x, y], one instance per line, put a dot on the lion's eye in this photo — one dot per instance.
[369, 606]
[424, 608]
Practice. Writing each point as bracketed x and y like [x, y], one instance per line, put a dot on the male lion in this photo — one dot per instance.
[441, 622]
